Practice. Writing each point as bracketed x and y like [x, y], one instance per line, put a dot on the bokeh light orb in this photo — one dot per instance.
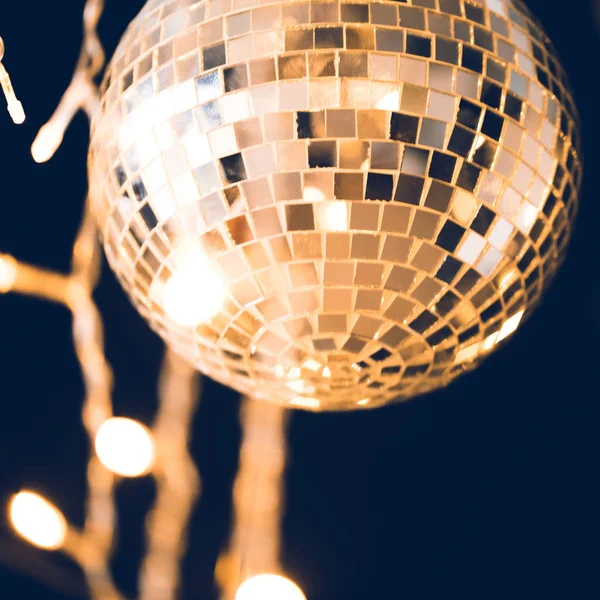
[125, 447]
[269, 587]
[335, 205]
[37, 521]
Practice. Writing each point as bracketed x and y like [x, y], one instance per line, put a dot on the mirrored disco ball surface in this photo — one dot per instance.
[335, 205]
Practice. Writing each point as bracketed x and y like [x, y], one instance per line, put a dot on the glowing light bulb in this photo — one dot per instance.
[16, 112]
[194, 293]
[15, 108]
[8, 273]
[38, 521]
[125, 447]
[269, 587]
[47, 142]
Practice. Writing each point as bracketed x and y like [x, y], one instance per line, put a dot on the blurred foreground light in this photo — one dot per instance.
[125, 447]
[16, 111]
[8, 272]
[269, 587]
[194, 293]
[47, 142]
[15, 108]
[38, 521]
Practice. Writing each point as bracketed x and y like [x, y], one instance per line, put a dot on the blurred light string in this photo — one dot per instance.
[178, 482]
[15, 108]
[258, 498]
[91, 547]
[177, 479]
[82, 93]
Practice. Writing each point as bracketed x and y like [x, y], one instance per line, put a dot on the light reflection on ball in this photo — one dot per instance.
[194, 293]
[380, 191]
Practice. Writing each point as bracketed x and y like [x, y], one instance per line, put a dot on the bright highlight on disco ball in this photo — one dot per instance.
[194, 293]
[335, 205]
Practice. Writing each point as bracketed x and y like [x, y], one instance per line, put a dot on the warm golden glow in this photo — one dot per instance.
[269, 587]
[125, 447]
[8, 273]
[38, 521]
[194, 293]
[47, 142]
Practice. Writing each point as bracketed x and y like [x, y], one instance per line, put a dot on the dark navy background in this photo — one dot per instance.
[484, 490]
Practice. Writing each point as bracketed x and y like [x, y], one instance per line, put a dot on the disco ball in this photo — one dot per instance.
[335, 205]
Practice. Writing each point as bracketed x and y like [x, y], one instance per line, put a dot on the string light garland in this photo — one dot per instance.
[177, 478]
[15, 108]
[328, 206]
[82, 92]
[163, 448]
[258, 496]
[91, 547]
